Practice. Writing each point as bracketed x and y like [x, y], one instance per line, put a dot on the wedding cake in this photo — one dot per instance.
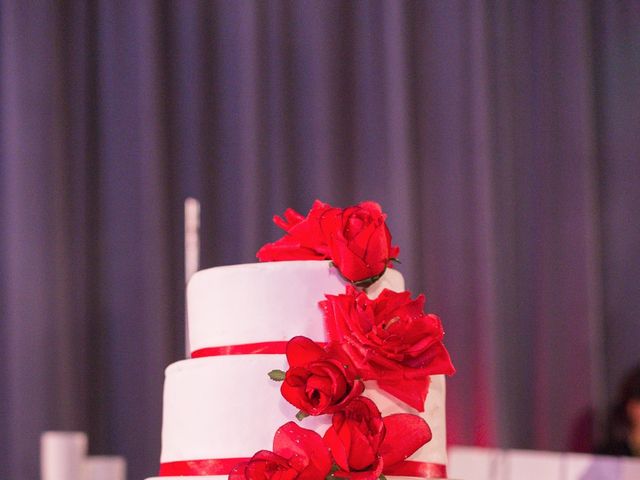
[313, 364]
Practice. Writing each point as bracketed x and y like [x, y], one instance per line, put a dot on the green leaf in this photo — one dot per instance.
[395, 260]
[301, 415]
[367, 282]
[334, 469]
[382, 477]
[276, 375]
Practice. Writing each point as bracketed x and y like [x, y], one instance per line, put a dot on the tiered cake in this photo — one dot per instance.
[221, 407]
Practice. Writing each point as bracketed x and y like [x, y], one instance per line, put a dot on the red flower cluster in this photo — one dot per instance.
[359, 441]
[390, 340]
[356, 239]
[364, 445]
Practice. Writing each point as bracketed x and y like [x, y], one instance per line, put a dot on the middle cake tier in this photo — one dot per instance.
[226, 407]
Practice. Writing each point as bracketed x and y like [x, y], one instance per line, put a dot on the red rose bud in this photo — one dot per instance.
[390, 340]
[316, 382]
[354, 439]
[364, 445]
[359, 242]
[304, 239]
[298, 453]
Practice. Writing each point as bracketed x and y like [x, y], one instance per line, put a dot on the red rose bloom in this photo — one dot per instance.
[304, 239]
[298, 453]
[364, 445]
[359, 242]
[356, 239]
[389, 339]
[316, 382]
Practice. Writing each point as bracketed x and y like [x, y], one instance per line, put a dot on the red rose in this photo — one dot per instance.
[356, 239]
[354, 438]
[389, 339]
[364, 445]
[304, 239]
[359, 242]
[316, 382]
[298, 453]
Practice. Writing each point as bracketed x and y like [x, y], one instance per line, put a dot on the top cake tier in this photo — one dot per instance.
[265, 302]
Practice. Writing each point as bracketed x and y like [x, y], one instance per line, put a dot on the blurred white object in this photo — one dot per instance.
[533, 465]
[475, 463]
[62, 455]
[191, 237]
[580, 466]
[191, 250]
[103, 467]
[629, 468]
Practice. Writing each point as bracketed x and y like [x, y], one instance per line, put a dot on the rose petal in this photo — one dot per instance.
[287, 250]
[291, 219]
[406, 433]
[292, 395]
[238, 472]
[338, 446]
[372, 474]
[320, 383]
[437, 361]
[352, 267]
[304, 239]
[362, 453]
[411, 392]
[301, 351]
[265, 465]
[291, 440]
[361, 243]
[335, 376]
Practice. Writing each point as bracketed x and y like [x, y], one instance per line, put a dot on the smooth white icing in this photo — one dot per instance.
[261, 302]
[226, 477]
[227, 407]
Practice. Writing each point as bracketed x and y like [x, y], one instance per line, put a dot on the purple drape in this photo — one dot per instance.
[502, 138]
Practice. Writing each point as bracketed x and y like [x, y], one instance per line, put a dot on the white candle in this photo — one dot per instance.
[103, 467]
[62, 455]
[191, 249]
[191, 237]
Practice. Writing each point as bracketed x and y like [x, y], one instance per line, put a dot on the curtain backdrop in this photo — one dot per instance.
[502, 138]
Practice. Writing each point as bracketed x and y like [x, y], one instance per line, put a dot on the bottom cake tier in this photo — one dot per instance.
[225, 477]
[226, 407]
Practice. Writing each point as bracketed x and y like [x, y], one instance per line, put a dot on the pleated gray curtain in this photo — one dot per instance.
[502, 138]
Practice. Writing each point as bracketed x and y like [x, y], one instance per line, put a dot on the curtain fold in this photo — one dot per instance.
[500, 137]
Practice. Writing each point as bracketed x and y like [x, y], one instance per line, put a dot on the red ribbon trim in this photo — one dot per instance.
[267, 348]
[214, 466]
[223, 466]
[411, 468]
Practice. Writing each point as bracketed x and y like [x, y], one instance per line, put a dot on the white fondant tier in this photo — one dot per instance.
[261, 302]
[226, 477]
[227, 407]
